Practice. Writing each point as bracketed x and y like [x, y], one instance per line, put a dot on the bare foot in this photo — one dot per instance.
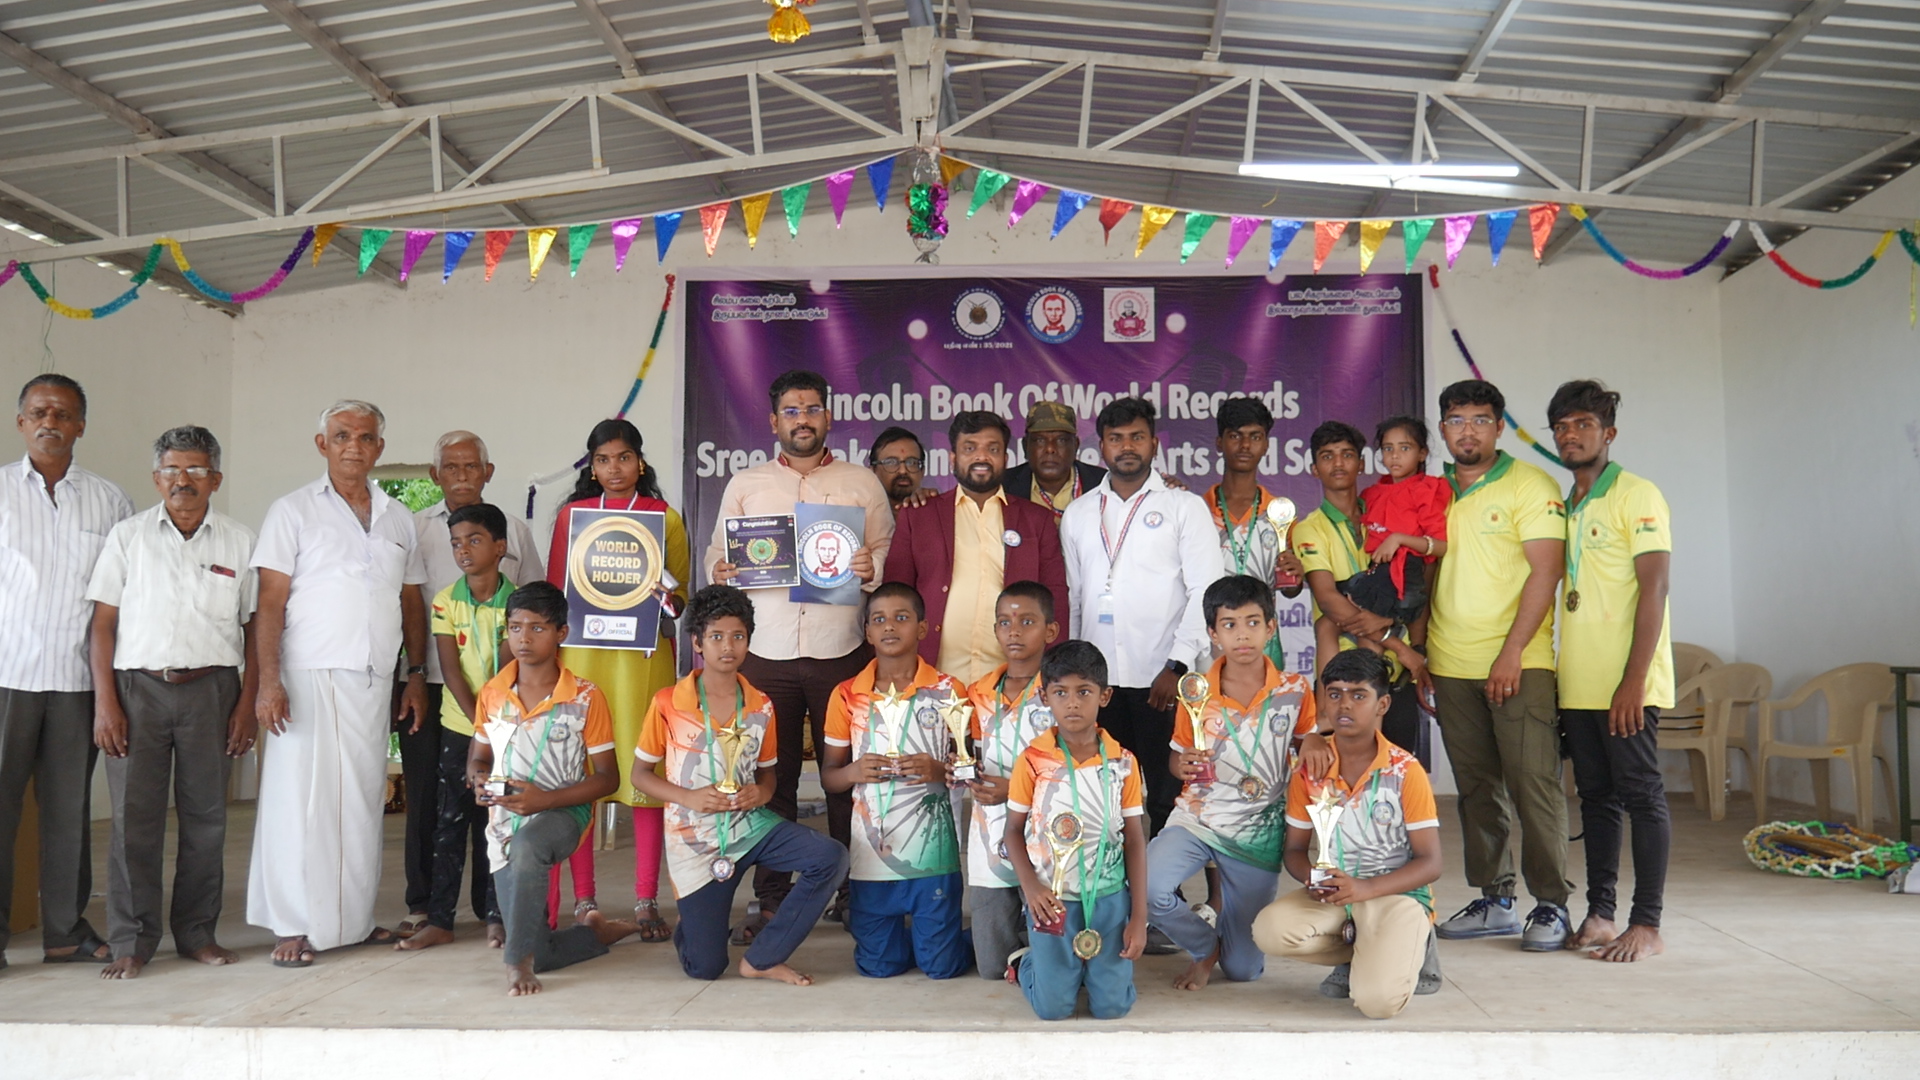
[1638, 943]
[520, 980]
[1197, 974]
[425, 938]
[214, 955]
[496, 935]
[1594, 932]
[607, 931]
[127, 967]
[778, 973]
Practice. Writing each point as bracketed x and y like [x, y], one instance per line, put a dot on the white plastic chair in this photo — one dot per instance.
[1724, 692]
[1856, 694]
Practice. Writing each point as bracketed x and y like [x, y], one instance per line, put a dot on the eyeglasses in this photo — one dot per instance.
[897, 463]
[795, 412]
[194, 472]
[1480, 423]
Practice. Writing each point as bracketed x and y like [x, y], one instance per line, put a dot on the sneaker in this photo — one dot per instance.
[1547, 929]
[1489, 916]
[1335, 985]
[1159, 944]
[1429, 982]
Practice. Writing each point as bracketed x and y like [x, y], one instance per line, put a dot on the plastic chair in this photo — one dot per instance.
[1856, 694]
[1723, 691]
[1688, 709]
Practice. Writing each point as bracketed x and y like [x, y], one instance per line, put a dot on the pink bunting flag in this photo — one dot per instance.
[1457, 230]
[1239, 231]
[623, 234]
[1024, 196]
[838, 185]
[417, 241]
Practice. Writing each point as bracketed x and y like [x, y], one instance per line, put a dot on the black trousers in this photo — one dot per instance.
[459, 828]
[420, 773]
[799, 690]
[1619, 778]
[1147, 734]
[1405, 726]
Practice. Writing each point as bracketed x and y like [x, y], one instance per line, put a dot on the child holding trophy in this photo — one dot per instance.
[887, 741]
[1233, 759]
[1368, 904]
[1074, 813]
[715, 734]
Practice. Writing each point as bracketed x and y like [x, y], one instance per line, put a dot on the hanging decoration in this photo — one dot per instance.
[145, 273]
[1446, 314]
[539, 242]
[371, 241]
[1779, 260]
[579, 237]
[1413, 234]
[1499, 224]
[1324, 235]
[880, 175]
[1196, 230]
[624, 231]
[1284, 230]
[927, 204]
[322, 236]
[838, 185]
[1371, 234]
[453, 246]
[788, 25]
[248, 295]
[1457, 231]
[986, 187]
[1586, 222]
[664, 228]
[139, 278]
[1024, 196]
[416, 246]
[1071, 203]
[1239, 231]
[497, 241]
[1152, 220]
[1111, 211]
[1540, 218]
[794, 201]
[753, 210]
[712, 219]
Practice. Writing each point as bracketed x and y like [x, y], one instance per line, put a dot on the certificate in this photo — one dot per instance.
[761, 550]
[826, 537]
[616, 570]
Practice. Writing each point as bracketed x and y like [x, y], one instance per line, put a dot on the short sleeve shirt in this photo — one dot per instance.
[547, 744]
[677, 731]
[1379, 815]
[1476, 594]
[477, 630]
[1622, 518]
[1074, 812]
[183, 601]
[1005, 720]
[1320, 543]
[901, 829]
[48, 545]
[1242, 812]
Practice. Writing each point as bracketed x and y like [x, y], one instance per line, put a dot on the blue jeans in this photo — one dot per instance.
[883, 943]
[1245, 890]
[1052, 976]
[700, 935]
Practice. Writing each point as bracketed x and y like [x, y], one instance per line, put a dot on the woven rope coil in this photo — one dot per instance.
[1825, 850]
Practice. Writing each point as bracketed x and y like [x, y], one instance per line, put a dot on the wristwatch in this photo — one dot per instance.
[416, 669]
[1176, 667]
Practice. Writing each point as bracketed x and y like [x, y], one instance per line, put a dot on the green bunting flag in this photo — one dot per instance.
[371, 241]
[578, 237]
[1197, 226]
[986, 187]
[1412, 235]
[795, 200]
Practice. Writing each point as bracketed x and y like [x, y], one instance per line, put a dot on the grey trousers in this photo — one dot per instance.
[544, 841]
[176, 739]
[999, 927]
[1245, 891]
[47, 737]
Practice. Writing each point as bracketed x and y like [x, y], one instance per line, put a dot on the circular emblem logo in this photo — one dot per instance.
[1383, 813]
[1010, 538]
[1054, 315]
[615, 563]
[761, 550]
[978, 314]
[826, 554]
[596, 626]
[1154, 519]
[1128, 312]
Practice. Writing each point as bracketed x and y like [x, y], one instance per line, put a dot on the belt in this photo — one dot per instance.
[178, 676]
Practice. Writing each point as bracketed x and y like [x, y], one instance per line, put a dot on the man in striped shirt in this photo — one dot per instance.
[54, 519]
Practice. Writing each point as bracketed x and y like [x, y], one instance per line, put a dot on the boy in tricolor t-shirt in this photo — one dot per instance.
[1008, 712]
[1077, 843]
[715, 732]
[887, 742]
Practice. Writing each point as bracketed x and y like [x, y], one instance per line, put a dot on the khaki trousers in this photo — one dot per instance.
[1506, 763]
[1389, 944]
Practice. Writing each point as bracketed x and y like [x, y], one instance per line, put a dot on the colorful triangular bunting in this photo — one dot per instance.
[1196, 230]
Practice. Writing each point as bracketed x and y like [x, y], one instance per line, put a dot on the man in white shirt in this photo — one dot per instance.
[173, 602]
[54, 519]
[338, 591]
[461, 469]
[1139, 557]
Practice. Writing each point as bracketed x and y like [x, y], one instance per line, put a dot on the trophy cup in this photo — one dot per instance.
[1324, 811]
[891, 710]
[1281, 512]
[728, 742]
[1194, 689]
[1065, 838]
[956, 711]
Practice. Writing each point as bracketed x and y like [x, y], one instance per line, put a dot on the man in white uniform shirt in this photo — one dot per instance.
[173, 602]
[338, 591]
[1139, 557]
[54, 519]
[462, 470]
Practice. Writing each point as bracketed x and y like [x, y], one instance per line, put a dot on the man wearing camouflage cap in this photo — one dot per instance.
[1052, 475]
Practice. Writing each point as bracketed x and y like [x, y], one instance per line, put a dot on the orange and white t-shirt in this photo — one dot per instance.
[547, 745]
[1379, 814]
[1005, 720]
[677, 732]
[1242, 812]
[1084, 803]
[901, 829]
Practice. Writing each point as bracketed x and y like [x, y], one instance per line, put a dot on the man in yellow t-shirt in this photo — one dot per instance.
[1616, 667]
[1490, 650]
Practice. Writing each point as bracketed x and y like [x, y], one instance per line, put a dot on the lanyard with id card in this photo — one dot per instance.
[1105, 609]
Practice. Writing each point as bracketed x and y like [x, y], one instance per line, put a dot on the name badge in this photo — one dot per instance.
[1106, 608]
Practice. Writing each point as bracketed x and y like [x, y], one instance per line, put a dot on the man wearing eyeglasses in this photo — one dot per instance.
[800, 652]
[1490, 653]
[899, 462]
[173, 600]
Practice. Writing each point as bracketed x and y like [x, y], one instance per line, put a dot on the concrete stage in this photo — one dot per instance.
[1765, 975]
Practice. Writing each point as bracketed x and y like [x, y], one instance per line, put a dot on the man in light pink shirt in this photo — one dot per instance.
[800, 652]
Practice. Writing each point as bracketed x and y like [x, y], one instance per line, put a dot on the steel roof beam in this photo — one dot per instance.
[623, 57]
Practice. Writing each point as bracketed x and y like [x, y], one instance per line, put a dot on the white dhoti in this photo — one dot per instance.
[316, 840]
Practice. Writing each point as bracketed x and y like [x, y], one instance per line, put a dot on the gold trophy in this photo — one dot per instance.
[728, 742]
[1281, 512]
[1064, 838]
[1194, 690]
[957, 711]
[891, 710]
[1324, 811]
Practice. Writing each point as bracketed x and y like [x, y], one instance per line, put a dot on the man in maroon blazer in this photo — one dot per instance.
[962, 547]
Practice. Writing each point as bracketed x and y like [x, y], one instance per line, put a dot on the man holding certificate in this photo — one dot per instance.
[803, 648]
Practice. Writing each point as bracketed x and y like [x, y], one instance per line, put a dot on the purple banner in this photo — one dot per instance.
[915, 351]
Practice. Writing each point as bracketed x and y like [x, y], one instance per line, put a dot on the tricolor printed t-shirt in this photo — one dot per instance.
[1003, 724]
[901, 829]
[676, 732]
[1392, 801]
[1242, 812]
[548, 744]
[1071, 810]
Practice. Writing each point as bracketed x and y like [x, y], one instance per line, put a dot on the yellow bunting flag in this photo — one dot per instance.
[753, 208]
[1324, 235]
[539, 242]
[1371, 233]
[951, 167]
[711, 219]
[1152, 219]
[322, 236]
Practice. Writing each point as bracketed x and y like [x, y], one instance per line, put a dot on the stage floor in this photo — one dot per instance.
[1780, 972]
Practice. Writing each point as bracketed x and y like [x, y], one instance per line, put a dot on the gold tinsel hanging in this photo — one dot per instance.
[788, 25]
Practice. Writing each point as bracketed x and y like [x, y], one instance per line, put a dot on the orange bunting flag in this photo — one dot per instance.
[1371, 233]
[1111, 211]
[322, 236]
[1541, 219]
[753, 209]
[1324, 235]
[951, 167]
[1152, 219]
[497, 241]
[539, 242]
[711, 219]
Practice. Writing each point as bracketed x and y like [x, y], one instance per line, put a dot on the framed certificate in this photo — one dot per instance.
[762, 551]
[616, 573]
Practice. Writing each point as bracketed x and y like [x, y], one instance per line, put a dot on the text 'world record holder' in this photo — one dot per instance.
[616, 577]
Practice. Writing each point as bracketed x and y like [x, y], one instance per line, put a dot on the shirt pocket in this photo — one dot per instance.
[217, 596]
[389, 563]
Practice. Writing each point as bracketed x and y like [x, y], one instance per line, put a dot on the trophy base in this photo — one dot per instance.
[495, 787]
[1204, 775]
[1056, 927]
[965, 774]
[1318, 876]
